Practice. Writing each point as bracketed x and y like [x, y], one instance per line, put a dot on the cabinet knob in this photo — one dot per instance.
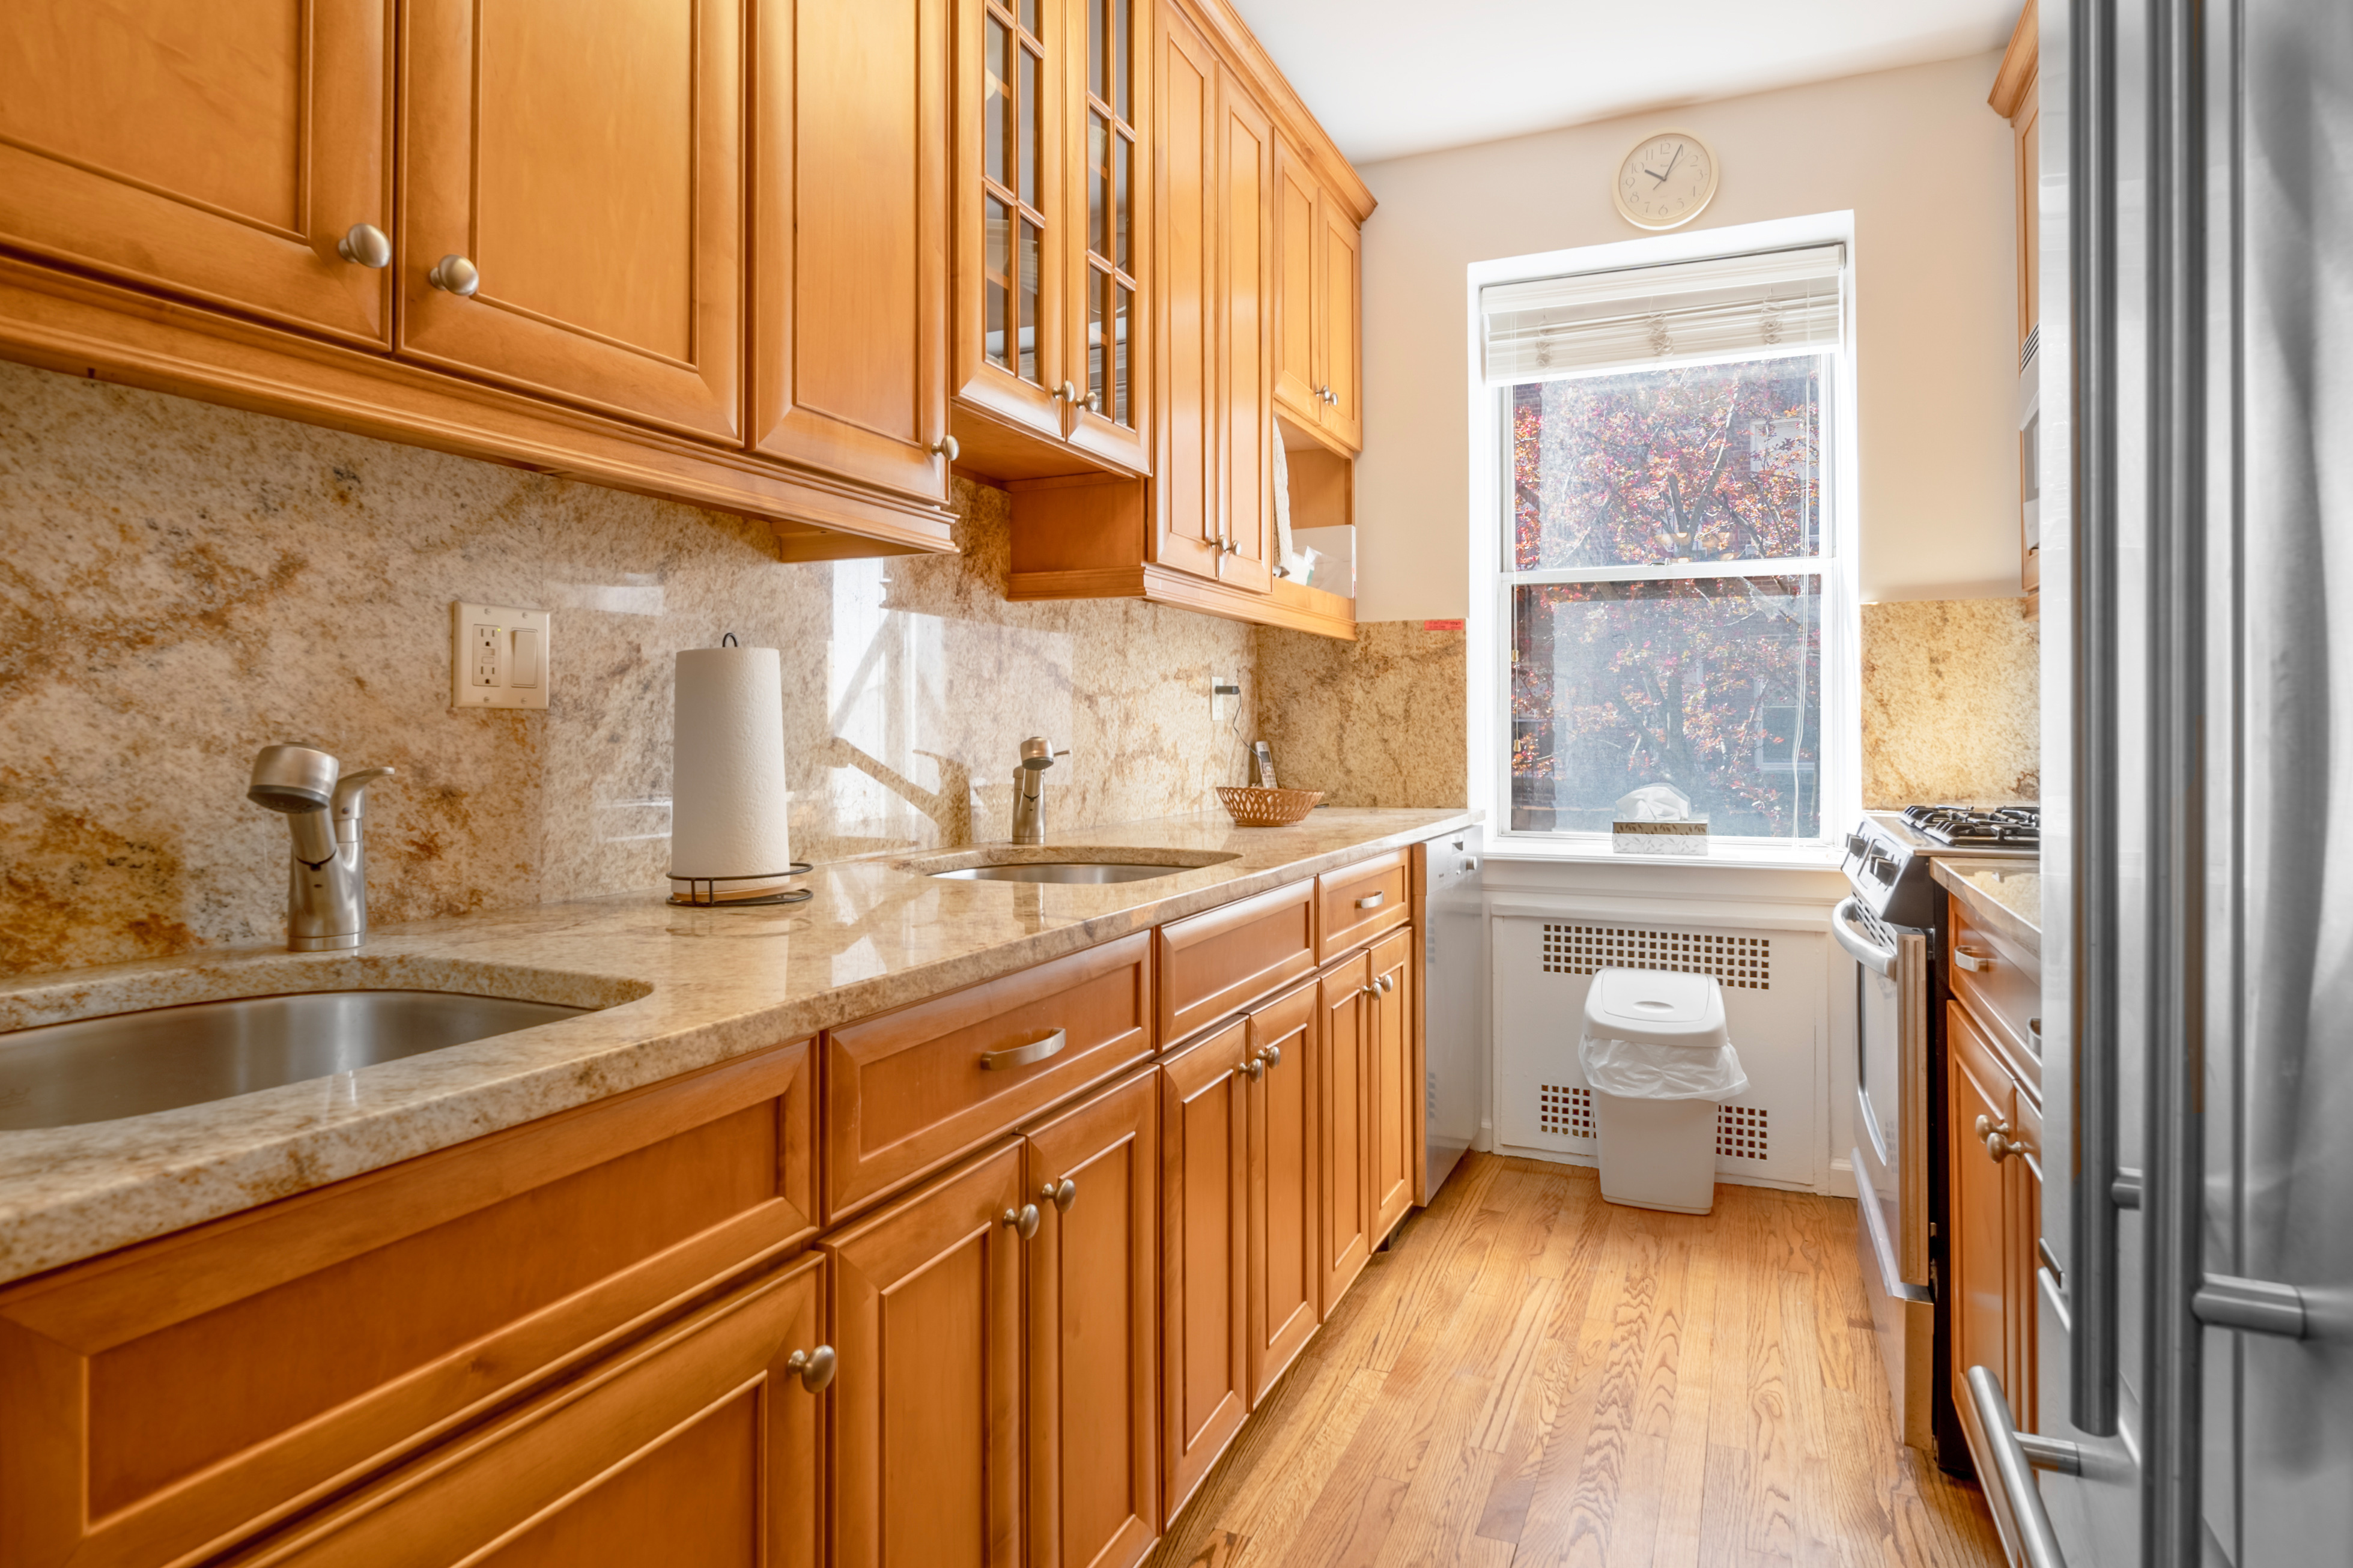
[366, 245]
[1384, 984]
[1271, 1056]
[945, 447]
[1023, 1220]
[816, 1367]
[1095, 403]
[455, 275]
[1254, 1068]
[1067, 392]
[1061, 1193]
[2000, 1140]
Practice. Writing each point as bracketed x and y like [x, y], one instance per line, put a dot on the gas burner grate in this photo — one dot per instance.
[2020, 825]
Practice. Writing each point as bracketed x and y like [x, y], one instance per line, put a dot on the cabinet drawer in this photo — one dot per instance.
[1215, 964]
[1355, 905]
[2005, 990]
[700, 1446]
[909, 1091]
[160, 1400]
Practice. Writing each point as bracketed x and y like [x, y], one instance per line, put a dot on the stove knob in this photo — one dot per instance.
[1857, 845]
[1883, 865]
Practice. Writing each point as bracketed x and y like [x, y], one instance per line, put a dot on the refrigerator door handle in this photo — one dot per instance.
[2250, 1306]
[2015, 1462]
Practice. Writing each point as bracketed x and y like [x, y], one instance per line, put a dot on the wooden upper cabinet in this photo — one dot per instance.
[1340, 305]
[2017, 98]
[1186, 478]
[571, 202]
[1245, 336]
[1318, 380]
[217, 152]
[927, 1417]
[849, 239]
[1110, 96]
[1095, 1329]
[1052, 190]
[1299, 225]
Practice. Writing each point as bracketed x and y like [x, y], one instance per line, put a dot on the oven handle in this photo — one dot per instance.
[1880, 960]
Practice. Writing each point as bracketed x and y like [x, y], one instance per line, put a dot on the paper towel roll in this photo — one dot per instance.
[727, 791]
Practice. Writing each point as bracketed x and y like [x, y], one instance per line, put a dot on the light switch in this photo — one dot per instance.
[522, 670]
[498, 656]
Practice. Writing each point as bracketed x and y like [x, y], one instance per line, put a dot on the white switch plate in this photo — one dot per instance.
[498, 657]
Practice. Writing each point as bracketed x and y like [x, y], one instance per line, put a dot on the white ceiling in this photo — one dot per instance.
[1391, 77]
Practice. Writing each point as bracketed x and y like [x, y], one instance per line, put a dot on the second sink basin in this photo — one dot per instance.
[1062, 871]
[1063, 863]
[129, 1064]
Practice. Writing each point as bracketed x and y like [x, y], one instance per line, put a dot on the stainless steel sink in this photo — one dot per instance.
[127, 1064]
[1062, 871]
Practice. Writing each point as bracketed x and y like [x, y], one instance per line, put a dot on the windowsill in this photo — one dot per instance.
[1725, 854]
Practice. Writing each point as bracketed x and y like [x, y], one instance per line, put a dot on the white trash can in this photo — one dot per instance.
[1658, 1058]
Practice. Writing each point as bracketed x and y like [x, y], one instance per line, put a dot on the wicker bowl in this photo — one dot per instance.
[1251, 806]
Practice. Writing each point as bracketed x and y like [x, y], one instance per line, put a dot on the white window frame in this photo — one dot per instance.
[1487, 631]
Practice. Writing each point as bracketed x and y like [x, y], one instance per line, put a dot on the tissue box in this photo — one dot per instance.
[1659, 838]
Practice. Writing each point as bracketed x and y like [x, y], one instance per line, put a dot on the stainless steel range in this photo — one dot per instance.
[1889, 925]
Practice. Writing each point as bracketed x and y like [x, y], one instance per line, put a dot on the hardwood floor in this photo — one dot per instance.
[1530, 1376]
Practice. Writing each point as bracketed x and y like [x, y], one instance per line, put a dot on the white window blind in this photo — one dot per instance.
[1690, 312]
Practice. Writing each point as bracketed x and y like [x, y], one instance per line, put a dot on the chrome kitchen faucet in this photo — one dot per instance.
[326, 883]
[1038, 754]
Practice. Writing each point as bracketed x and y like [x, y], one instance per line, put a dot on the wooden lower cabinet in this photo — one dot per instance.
[700, 1445]
[1204, 1256]
[1346, 1234]
[1286, 1305]
[927, 1418]
[1393, 1145]
[170, 1400]
[1995, 1196]
[1094, 1330]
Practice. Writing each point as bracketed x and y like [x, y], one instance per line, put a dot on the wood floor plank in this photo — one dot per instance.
[1530, 1376]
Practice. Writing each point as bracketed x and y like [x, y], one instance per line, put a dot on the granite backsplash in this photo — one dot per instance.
[182, 584]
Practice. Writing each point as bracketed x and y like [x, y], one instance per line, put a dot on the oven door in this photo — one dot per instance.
[1891, 1086]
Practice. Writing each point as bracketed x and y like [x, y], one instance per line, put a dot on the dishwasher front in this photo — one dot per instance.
[1454, 923]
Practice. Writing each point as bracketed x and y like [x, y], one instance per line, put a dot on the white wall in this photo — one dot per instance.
[1916, 155]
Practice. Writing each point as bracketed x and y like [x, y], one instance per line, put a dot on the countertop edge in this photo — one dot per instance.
[1953, 875]
[169, 1195]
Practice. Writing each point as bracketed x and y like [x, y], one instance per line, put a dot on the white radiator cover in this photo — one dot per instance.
[1773, 978]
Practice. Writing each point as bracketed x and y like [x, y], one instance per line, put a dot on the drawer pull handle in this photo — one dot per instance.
[1371, 901]
[1061, 1194]
[1021, 1056]
[816, 1367]
[1023, 1220]
[1976, 963]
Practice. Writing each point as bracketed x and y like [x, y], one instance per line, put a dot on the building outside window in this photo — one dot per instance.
[1671, 590]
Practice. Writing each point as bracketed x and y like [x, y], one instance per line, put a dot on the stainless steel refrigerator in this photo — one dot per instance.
[2196, 1331]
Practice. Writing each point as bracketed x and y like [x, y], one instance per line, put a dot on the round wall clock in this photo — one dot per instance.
[1665, 180]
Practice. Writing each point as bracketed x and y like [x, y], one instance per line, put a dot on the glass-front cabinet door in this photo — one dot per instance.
[1009, 244]
[1048, 364]
[1109, 84]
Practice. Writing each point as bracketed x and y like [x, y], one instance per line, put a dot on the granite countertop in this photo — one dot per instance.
[678, 989]
[2006, 895]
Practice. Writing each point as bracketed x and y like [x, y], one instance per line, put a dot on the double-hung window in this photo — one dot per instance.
[1668, 540]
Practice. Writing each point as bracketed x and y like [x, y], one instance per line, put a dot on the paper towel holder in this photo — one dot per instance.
[703, 892]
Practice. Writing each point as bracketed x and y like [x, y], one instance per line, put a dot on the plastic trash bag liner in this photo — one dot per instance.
[1637, 1069]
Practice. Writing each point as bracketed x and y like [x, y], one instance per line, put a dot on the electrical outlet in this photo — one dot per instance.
[498, 656]
[1225, 698]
